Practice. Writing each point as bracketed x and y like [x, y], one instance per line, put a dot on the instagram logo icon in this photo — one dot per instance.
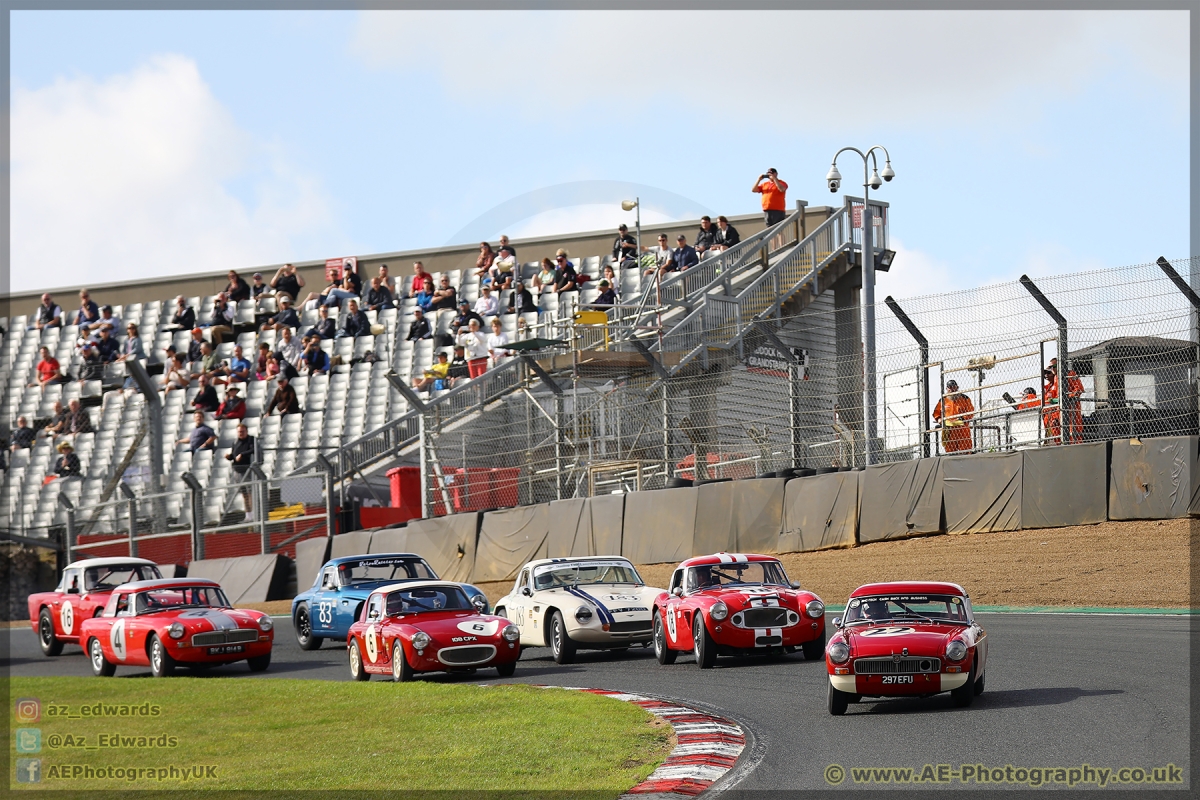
[29, 709]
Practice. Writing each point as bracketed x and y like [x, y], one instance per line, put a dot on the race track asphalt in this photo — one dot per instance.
[1062, 691]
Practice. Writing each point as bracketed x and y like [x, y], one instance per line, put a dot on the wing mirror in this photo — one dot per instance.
[794, 584]
[837, 622]
[677, 591]
[72, 590]
[525, 590]
[479, 602]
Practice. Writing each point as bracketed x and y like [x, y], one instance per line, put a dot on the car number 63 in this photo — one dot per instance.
[897, 678]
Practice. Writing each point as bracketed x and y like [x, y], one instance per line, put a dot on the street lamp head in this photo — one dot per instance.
[629, 205]
[875, 182]
[888, 173]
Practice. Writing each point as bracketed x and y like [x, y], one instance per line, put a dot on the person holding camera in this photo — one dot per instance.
[287, 282]
[774, 196]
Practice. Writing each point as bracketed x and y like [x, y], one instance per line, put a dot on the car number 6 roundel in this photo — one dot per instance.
[372, 644]
[67, 617]
[116, 638]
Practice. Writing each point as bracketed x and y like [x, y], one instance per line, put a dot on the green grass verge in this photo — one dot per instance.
[511, 741]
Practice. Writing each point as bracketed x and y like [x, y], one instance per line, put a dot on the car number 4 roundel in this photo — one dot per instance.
[67, 617]
[116, 638]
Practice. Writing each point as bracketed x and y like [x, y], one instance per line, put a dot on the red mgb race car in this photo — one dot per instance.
[912, 639]
[83, 592]
[428, 626]
[735, 604]
[175, 622]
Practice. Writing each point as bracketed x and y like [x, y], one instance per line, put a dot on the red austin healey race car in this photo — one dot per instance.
[735, 604]
[912, 639]
[429, 626]
[175, 622]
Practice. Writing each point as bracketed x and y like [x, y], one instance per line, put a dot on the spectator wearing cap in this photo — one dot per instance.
[503, 269]
[206, 398]
[92, 368]
[22, 436]
[78, 419]
[202, 437]
[287, 282]
[484, 261]
[458, 365]
[727, 235]
[521, 301]
[107, 320]
[487, 305]
[684, 255]
[378, 296]
[624, 246]
[286, 317]
[107, 346]
[49, 314]
[326, 327]
[465, 315]
[194, 352]
[237, 289]
[356, 322]
[774, 196]
[184, 318]
[67, 465]
[233, 406]
[47, 369]
[258, 288]
[564, 275]
[419, 329]
[89, 312]
[437, 372]
[284, 399]
[607, 297]
[706, 237]
[316, 360]
[444, 297]
[474, 342]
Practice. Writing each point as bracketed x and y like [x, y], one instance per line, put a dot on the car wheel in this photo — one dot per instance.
[664, 654]
[506, 670]
[979, 685]
[561, 645]
[815, 649]
[963, 695]
[356, 663]
[402, 671]
[259, 663]
[706, 648]
[51, 646]
[304, 634]
[101, 666]
[837, 701]
[161, 663]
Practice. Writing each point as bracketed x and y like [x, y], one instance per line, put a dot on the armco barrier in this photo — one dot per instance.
[901, 499]
[982, 493]
[246, 579]
[311, 555]
[1152, 478]
[508, 539]
[659, 525]
[819, 512]
[1063, 486]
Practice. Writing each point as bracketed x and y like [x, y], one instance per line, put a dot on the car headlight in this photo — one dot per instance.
[838, 652]
[176, 630]
[583, 614]
[956, 650]
[815, 609]
[719, 611]
[421, 640]
[511, 633]
[264, 623]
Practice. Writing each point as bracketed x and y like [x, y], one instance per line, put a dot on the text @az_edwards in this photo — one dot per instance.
[982, 774]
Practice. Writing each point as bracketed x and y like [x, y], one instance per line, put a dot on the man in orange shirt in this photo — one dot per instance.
[1029, 399]
[774, 196]
[957, 409]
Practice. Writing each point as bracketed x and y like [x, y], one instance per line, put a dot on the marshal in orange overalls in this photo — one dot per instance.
[956, 430]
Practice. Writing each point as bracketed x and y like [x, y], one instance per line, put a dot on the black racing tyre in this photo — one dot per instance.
[963, 695]
[706, 648]
[161, 663]
[357, 671]
[815, 649]
[51, 646]
[101, 666]
[259, 663]
[979, 685]
[304, 633]
[561, 645]
[506, 670]
[662, 652]
[837, 701]
[402, 671]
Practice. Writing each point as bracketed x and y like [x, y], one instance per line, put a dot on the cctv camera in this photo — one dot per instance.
[834, 186]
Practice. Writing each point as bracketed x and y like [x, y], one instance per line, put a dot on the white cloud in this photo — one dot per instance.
[128, 178]
[801, 68]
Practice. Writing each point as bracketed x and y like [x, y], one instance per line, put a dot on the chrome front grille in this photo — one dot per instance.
[225, 637]
[886, 665]
[627, 627]
[766, 617]
[466, 656]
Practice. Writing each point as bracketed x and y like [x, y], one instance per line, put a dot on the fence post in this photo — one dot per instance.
[924, 429]
[197, 536]
[1192, 298]
[1063, 364]
[259, 502]
[132, 498]
[330, 521]
[66, 503]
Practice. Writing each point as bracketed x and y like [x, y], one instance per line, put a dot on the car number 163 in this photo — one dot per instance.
[897, 678]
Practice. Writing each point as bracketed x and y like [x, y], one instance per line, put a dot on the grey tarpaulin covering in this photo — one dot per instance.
[901, 499]
[310, 557]
[744, 516]
[586, 527]
[1152, 478]
[659, 525]
[820, 511]
[390, 540]
[982, 493]
[508, 539]
[246, 579]
[447, 543]
[355, 543]
[1063, 486]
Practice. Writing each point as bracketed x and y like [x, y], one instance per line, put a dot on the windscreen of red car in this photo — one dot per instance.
[420, 601]
[179, 597]
[105, 579]
[752, 572]
[584, 573]
[908, 608]
[374, 570]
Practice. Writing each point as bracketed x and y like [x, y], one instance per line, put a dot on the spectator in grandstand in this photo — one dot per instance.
[544, 280]
[260, 363]
[1029, 399]
[89, 312]
[209, 364]
[288, 349]
[356, 322]
[316, 360]
[107, 346]
[47, 369]
[21, 438]
[465, 315]
[238, 370]
[178, 377]
[233, 406]
[387, 280]
[184, 318]
[92, 368]
[483, 263]
[242, 456]
[564, 276]
[272, 369]
[258, 288]
[58, 422]
[202, 437]
[444, 296]
[67, 465]
[505, 243]
[774, 196]
[286, 317]
[435, 376]
[610, 275]
[333, 294]
[624, 246]
[684, 255]
[458, 366]
[284, 398]
[326, 327]
[727, 235]
[607, 296]
[78, 419]
[475, 344]
[220, 324]
[503, 270]
[193, 352]
[419, 329]
[487, 305]
[955, 410]
[49, 315]
[496, 342]
[521, 300]
[706, 237]
[287, 282]
[418, 279]
[206, 398]
[107, 320]
[424, 298]
[378, 296]
[664, 258]
[237, 289]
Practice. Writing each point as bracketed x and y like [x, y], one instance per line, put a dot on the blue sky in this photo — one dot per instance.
[149, 143]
